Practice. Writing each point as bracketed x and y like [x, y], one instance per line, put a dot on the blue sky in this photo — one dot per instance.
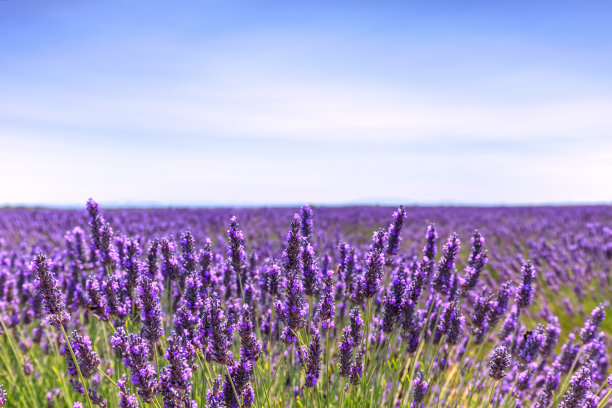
[252, 103]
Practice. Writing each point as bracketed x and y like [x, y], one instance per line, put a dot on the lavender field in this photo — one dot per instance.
[311, 307]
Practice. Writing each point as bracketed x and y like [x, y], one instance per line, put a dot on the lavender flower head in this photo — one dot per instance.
[86, 357]
[589, 331]
[310, 269]
[395, 229]
[126, 400]
[151, 315]
[580, 384]
[313, 360]
[553, 331]
[345, 354]
[250, 346]
[306, 222]
[419, 390]
[530, 344]
[327, 306]
[429, 251]
[48, 287]
[524, 295]
[176, 376]
[446, 265]
[498, 366]
[476, 263]
[375, 261]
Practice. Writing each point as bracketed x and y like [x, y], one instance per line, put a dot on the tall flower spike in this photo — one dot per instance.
[530, 344]
[126, 399]
[589, 331]
[306, 222]
[250, 346]
[86, 357]
[356, 326]
[498, 366]
[429, 252]
[476, 263]
[446, 265]
[48, 287]
[236, 253]
[395, 229]
[553, 331]
[188, 255]
[176, 376]
[313, 360]
[524, 295]
[293, 310]
[579, 385]
[345, 354]
[310, 269]
[327, 306]
[151, 315]
[375, 261]
[419, 390]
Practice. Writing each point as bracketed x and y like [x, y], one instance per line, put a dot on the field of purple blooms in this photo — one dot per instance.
[311, 307]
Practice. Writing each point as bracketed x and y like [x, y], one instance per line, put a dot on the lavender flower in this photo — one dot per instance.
[310, 269]
[419, 390]
[375, 261]
[588, 332]
[48, 288]
[306, 222]
[236, 252]
[218, 346]
[580, 384]
[429, 252]
[313, 360]
[498, 366]
[86, 357]
[250, 346]
[345, 353]
[553, 331]
[151, 315]
[356, 326]
[446, 265]
[176, 377]
[3, 398]
[530, 344]
[126, 400]
[327, 306]
[551, 383]
[476, 263]
[395, 229]
[524, 295]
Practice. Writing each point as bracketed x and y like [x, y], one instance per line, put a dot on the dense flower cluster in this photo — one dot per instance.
[186, 308]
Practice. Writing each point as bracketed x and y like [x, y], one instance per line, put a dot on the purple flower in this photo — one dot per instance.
[500, 306]
[395, 229]
[327, 305]
[205, 259]
[498, 366]
[580, 384]
[176, 376]
[216, 326]
[588, 332]
[524, 295]
[356, 326]
[566, 357]
[375, 261]
[236, 253]
[250, 346]
[419, 389]
[126, 400]
[151, 315]
[306, 222]
[530, 344]
[429, 252]
[313, 360]
[476, 263]
[310, 269]
[442, 279]
[551, 383]
[48, 288]
[553, 331]
[86, 357]
[345, 353]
